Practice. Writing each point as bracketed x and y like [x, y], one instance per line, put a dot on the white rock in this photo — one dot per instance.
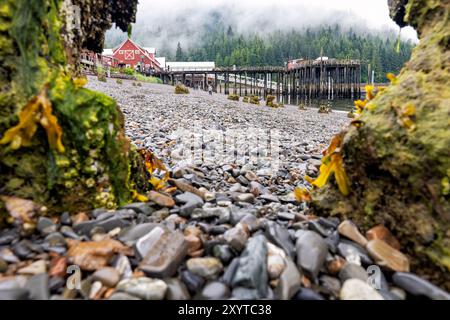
[356, 289]
[144, 288]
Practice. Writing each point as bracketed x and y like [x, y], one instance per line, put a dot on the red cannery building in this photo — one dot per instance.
[131, 55]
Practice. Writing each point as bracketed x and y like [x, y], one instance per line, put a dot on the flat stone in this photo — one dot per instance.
[94, 255]
[242, 180]
[349, 250]
[312, 251]
[280, 237]
[132, 234]
[37, 286]
[386, 256]
[8, 256]
[160, 199]
[417, 286]
[108, 276]
[269, 198]
[34, 268]
[46, 226]
[251, 273]
[8, 236]
[214, 291]
[244, 197]
[356, 289]
[382, 233]
[290, 282]
[190, 201]
[140, 207]
[208, 268]
[144, 288]
[352, 271]
[106, 225]
[211, 212]
[236, 237]
[163, 251]
[349, 230]
[176, 290]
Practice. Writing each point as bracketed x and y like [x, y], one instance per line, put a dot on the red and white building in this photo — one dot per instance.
[131, 55]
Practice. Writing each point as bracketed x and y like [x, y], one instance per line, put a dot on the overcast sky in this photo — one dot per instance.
[375, 13]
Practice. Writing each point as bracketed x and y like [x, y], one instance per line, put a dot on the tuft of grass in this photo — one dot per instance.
[233, 97]
[181, 89]
[119, 81]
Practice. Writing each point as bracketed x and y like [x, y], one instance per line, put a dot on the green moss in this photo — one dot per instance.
[94, 170]
[397, 170]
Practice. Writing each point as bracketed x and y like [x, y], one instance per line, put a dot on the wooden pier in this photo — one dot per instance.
[323, 79]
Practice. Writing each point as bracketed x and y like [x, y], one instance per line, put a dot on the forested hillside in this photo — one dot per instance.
[227, 48]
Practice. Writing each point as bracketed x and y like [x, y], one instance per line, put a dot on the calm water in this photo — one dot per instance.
[336, 104]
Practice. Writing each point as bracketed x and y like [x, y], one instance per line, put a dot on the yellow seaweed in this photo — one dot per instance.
[37, 110]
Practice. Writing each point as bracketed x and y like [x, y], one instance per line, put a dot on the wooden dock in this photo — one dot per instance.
[312, 79]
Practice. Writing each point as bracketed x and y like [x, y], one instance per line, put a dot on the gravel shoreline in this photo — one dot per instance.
[229, 230]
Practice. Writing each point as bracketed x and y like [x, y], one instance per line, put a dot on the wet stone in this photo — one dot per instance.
[312, 251]
[251, 272]
[236, 238]
[280, 237]
[189, 202]
[163, 251]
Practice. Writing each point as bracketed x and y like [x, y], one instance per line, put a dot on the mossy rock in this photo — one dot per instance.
[101, 77]
[270, 101]
[397, 159]
[254, 100]
[302, 107]
[246, 99]
[233, 97]
[324, 109]
[92, 164]
[181, 89]
[119, 81]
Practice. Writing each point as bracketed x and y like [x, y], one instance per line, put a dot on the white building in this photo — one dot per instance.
[190, 66]
[162, 62]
